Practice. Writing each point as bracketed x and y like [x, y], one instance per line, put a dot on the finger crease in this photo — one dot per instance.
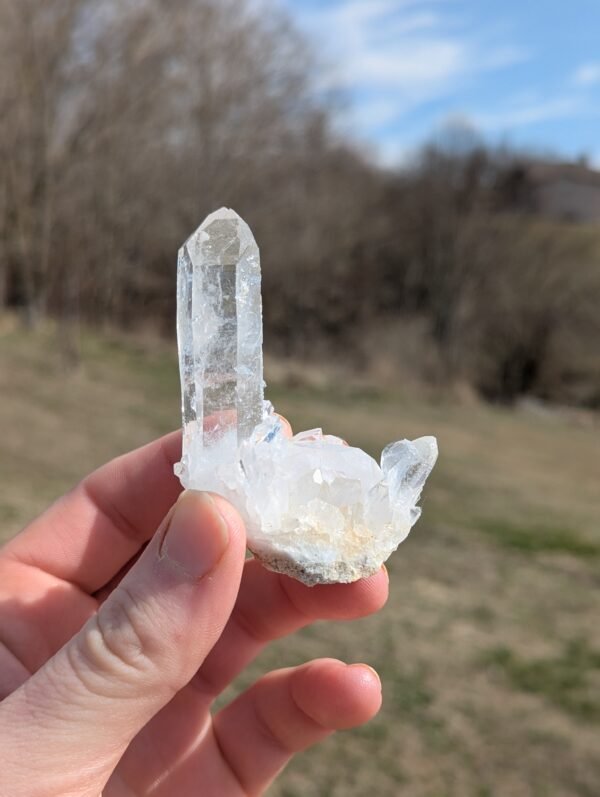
[245, 626]
[114, 516]
[305, 619]
[228, 763]
[164, 451]
[10, 654]
[271, 735]
[317, 726]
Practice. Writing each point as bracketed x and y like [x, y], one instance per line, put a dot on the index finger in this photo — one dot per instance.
[91, 533]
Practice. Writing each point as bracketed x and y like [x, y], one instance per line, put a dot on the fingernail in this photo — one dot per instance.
[197, 535]
[368, 667]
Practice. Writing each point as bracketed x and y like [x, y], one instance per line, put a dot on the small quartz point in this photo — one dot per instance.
[315, 508]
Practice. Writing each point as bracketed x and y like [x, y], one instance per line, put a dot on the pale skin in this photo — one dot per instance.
[125, 610]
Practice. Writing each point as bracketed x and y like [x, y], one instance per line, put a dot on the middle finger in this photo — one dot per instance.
[270, 606]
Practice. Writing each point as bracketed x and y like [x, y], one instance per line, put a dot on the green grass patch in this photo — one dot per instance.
[538, 538]
[8, 513]
[410, 693]
[483, 615]
[412, 701]
[564, 680]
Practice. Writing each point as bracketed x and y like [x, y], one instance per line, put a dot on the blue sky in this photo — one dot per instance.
[525, 71]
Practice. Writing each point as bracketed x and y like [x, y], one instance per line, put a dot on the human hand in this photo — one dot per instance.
[115, 640]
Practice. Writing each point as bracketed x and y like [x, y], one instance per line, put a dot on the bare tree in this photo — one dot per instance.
[36, 49]
[123, 122]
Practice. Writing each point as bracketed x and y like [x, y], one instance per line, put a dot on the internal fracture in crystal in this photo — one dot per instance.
[315, 508]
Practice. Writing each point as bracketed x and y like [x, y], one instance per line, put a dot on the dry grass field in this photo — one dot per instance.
[489, 648]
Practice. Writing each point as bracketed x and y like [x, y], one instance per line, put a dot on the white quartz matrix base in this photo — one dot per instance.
[315, 508]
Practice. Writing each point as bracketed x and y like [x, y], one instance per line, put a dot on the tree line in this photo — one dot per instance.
[124, 122]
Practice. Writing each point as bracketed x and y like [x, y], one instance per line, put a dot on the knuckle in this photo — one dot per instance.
[118, 641]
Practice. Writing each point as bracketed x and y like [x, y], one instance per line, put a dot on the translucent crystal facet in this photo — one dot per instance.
[315, 508]
[219, 330]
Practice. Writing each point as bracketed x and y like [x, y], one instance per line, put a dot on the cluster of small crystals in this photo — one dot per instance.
[315, 508]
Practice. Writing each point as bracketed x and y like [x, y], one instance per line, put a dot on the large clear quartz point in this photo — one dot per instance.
[315, 508]
[219, 331]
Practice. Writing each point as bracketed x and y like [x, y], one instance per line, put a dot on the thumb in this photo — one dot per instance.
[80, 711]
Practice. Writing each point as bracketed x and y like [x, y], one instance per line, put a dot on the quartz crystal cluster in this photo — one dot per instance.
[315, 508]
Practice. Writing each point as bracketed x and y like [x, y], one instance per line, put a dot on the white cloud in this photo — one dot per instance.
[587, 74]
[523, 112]
[410, 24]
[374, 113]
[403, 60]
[415, 66]
[358, 12]
[409, 51]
